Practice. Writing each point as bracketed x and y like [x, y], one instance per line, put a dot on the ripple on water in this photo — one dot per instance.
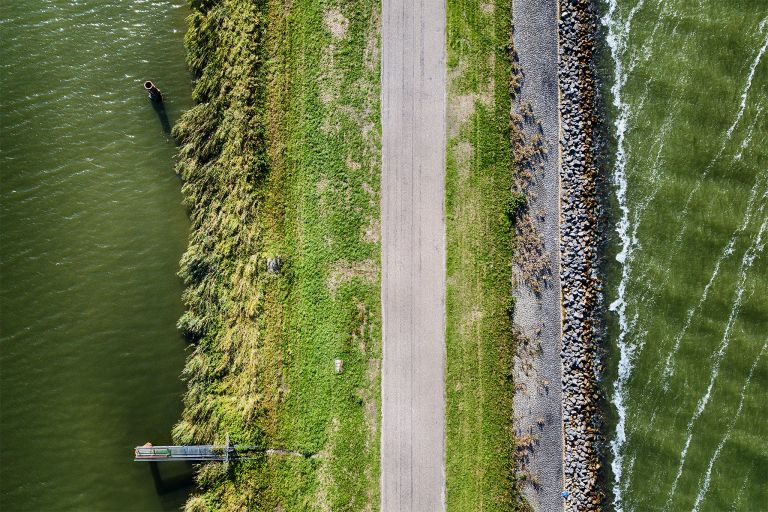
[691, 204]
[92, 231]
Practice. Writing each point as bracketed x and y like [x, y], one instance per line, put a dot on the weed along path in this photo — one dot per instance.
[413, 255]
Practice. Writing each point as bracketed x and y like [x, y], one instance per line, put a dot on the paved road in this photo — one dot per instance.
[413, 256]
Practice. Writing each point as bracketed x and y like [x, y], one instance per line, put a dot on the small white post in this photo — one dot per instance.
[226, 452]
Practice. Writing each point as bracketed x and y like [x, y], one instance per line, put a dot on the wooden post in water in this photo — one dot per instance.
[154, 93]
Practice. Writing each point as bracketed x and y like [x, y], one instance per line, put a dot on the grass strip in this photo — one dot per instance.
[331, 239]
[280, 159]
[480, 455]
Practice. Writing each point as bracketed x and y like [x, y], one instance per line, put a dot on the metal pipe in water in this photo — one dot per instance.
[153, 91]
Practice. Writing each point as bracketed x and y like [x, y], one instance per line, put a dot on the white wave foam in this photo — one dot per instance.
[646, 51]
[750, 76]
[740, 494]
[618, 32]
[746, 262]
[708, 475]
[748, 138]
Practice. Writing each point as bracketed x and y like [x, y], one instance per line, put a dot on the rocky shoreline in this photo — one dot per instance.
[579, 255]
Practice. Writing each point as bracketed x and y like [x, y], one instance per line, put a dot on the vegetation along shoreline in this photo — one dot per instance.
[281, 160]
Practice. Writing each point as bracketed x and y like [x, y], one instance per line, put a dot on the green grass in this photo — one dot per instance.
[332, 156]
[480, 345]
[281, 158]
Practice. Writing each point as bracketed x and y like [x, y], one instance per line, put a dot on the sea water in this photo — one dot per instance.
[91, 230]
[689, 297]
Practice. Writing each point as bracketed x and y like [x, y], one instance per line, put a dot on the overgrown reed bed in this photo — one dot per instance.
[280, 159]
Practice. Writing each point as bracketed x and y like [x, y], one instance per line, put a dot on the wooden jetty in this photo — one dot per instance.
[170, 453]
[151, 453]
[204, 452]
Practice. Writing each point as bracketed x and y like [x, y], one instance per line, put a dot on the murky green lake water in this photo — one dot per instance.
[691, 297]
[91, 231]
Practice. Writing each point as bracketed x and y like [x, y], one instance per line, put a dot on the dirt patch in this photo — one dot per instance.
[372, 51]
[321, 189]
[355, 166]
[462, 152]
[327, 97]
[336, 23]
[359, 335]
[460, 109]
[369, 135]
[321, 186]
[372, 233]
[344, 271]
[364, 337]
[370, 404]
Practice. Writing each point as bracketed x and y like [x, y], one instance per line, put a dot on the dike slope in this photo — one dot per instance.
[281, 162]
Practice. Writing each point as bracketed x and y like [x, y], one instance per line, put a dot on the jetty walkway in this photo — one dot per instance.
[174, 453]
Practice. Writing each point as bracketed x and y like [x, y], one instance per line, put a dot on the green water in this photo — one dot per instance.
[691, 297]
[92, 228]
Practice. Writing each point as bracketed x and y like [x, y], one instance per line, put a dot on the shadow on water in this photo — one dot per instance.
[171, 487]
[162, 115]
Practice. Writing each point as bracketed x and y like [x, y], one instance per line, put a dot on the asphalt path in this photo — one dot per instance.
[413, 81]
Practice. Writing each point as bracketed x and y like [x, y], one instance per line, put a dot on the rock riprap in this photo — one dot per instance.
[579, 255]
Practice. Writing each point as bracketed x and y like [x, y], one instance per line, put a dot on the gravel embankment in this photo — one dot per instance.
[539, 425]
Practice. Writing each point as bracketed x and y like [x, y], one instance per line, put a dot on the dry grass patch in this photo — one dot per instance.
[344, 271]
[336, 23]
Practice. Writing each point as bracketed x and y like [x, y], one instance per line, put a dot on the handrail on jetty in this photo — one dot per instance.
[151, 453]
